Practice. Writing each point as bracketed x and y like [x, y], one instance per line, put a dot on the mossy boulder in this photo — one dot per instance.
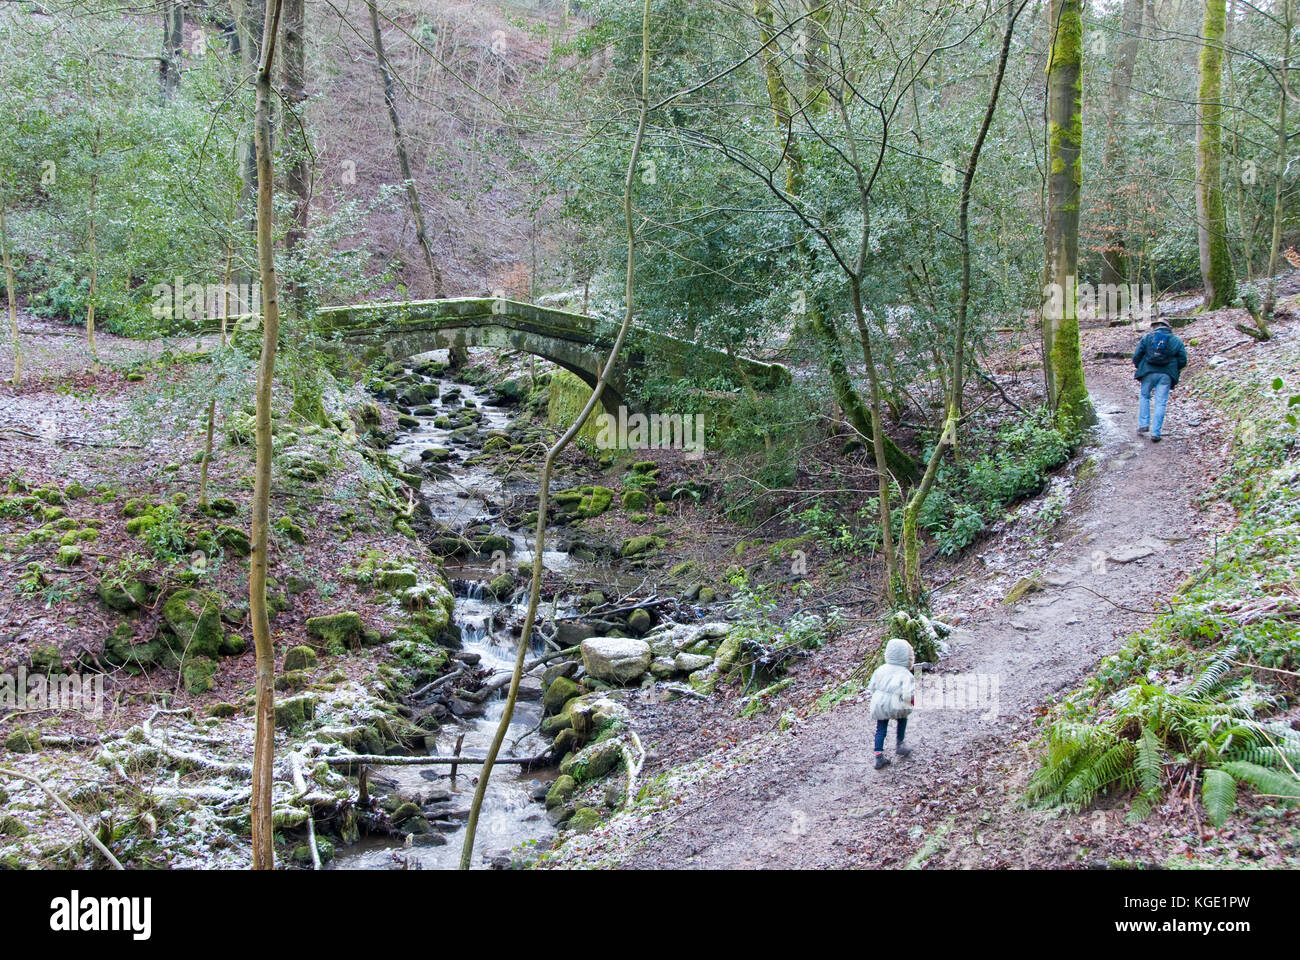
[396, 579]
[503, 586]
[594, 761]
[234, 539]
[11, 826]
[561, 791]
[300, 658]
[560, 692]
[586, 501]
[641, 545]
[635, 499]
[639, 621]
[220, 507]
[289, 529]
[197, 675]
[295, 711]
[45, 658]
[584, 819]
[22, 740]
[194, 618]
[338, 630]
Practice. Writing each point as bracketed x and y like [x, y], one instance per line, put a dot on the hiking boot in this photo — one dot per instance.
[903, 751]
[882, 761]
[1143, 429]
[1155, 438]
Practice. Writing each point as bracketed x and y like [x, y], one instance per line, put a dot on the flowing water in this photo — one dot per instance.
[469, 494]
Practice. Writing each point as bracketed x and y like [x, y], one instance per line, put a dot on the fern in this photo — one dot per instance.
[1149, 763]
[1210, 679]
[1272, 783]
[1219, 794]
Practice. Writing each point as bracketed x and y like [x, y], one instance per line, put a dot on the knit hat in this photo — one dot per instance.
[1160, 322]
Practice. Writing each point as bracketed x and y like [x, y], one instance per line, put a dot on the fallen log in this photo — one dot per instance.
[406, 761]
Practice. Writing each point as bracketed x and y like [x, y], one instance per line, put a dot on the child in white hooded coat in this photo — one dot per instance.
[893, 694]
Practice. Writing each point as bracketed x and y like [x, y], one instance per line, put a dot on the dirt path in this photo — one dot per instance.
[815, 800]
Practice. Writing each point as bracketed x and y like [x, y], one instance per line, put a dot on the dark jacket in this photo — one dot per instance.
[1173, 368]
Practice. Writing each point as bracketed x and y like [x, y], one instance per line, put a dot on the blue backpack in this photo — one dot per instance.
[1161, 349]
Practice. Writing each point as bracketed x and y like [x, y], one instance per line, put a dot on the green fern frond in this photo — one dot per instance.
[1219, 794]
[1210, 679]
[1267, 756]
[1111, 768]
[1273, 783]
[1149, 762]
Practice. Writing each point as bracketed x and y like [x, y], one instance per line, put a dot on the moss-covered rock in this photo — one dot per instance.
[641, 545]
[234, 539]
[197, 675]
[560, 692]
[300, 658]
[635, 499]
[561, 791]
[337, 629]
[295, 711]
[503, 586]
[396, 579]
[639, 621]
[22, 740]
[45, 658]
[220, 507]
[594, 761]
[194, 618]
[222, 710]
[289, 529]
[584, 819]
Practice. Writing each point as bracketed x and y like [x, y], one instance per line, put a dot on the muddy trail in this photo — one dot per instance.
[814, 799]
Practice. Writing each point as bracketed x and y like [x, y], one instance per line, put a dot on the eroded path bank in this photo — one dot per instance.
[808, 796]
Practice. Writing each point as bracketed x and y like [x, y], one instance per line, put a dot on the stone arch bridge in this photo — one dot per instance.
[578, 343]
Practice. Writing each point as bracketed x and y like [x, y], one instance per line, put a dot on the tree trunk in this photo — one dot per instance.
[170, 64]
[1211, 218]
[264, 741]
[16, 345]
[1062, 354]
[1114, 257]
[94, 253]
[1279, 175]
[294, 95]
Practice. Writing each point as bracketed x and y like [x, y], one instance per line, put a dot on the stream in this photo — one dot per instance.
[466, 495]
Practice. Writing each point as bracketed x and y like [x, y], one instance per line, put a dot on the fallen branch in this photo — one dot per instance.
[348, 761]
[81, 824]
[295, 761]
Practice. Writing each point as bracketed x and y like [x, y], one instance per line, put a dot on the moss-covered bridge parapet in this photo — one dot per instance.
[573, 341]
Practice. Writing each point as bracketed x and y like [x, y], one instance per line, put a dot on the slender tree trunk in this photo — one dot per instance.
[294, 80]
[94, 253]
[212, 402]
[535, 590]
[15, 343]
[1211, 217]
[1279, 175]
[1062, 352]
[1114, 258]
[264, 743]
[171, 63]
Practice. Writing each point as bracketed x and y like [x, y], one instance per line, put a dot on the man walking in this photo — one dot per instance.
[1159, 358]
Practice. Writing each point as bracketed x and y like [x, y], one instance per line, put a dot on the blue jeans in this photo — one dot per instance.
[1159, 385]
[882, 726]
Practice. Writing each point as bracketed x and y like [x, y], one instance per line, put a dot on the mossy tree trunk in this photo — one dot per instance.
[1211, 217]
[1062, 354]
[264, 738]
